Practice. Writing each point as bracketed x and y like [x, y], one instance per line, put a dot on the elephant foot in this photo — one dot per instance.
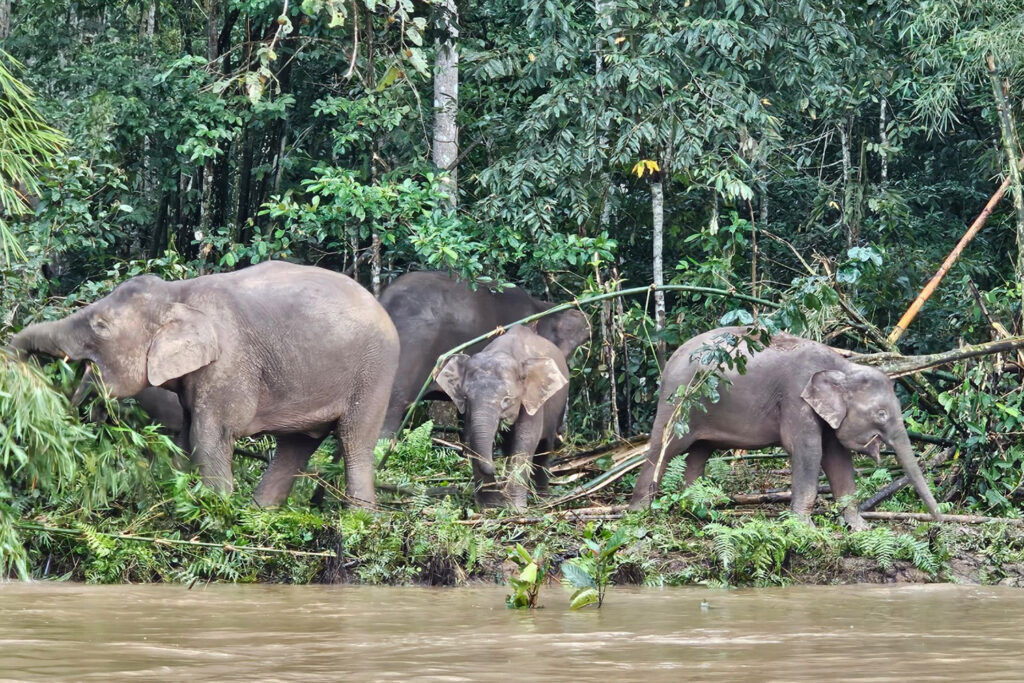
[855, 521]
[490, 498]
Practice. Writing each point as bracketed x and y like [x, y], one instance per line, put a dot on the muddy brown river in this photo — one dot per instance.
[246, 633]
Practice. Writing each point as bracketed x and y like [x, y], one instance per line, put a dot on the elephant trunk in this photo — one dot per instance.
[481, 427]
[48, 338]
[907, 460]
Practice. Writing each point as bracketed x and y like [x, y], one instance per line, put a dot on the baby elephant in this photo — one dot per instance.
[520, 379]
[797, 394]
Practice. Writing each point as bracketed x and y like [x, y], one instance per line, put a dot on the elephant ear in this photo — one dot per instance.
[542, 378]
[826, 394]
[185, 342]
[450, 379]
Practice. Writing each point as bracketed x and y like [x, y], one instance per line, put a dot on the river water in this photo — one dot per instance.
[222, 632]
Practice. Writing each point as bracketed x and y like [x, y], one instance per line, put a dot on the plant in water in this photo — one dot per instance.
[590, 574]
[532, 570]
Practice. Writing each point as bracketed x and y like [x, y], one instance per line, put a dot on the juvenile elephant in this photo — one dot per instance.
[797, 394]
[520, 379]
[277, 348]
[434, 313]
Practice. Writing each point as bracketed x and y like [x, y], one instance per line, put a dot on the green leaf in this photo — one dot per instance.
[577, 576]
[582, 598]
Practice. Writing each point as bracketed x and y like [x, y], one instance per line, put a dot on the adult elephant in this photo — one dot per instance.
[277, 348]
[795, 393]
[434, 312]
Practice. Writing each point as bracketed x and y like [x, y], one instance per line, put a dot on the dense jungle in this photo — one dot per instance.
[800, 165]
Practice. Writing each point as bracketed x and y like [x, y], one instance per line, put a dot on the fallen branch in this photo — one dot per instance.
[950, 260]
[926, 517]
[29, 526]
[896, 365]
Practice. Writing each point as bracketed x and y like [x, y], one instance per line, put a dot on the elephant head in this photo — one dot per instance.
[491, 388]
[137, 336]
[568, 330]
[860, 405]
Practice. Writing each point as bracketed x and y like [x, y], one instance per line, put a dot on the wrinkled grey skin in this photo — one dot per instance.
[277, 348]
[797, 394]
[520, 379]
[434, 313]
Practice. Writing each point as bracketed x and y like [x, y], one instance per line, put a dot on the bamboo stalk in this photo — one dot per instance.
[929, 288]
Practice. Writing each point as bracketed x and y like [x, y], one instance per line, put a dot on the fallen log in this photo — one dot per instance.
[926, 517]
[897, 365]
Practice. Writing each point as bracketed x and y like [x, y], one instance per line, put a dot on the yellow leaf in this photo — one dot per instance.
[531, 57]
[620, 40]
[766, 102]
[834, 205]
[645, 165]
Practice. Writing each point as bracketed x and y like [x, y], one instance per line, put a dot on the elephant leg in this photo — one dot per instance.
[802, 439]
[838, 465]
[658, 457]
[357, 432]
[541, 473]
[696, 460]
[212, 448]
[183, 441]
[525, 437]
[290, 458]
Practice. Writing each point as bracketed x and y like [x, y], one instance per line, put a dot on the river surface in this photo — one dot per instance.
[54, 631]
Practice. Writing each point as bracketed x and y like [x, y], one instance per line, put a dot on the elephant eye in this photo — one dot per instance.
[506, 402]
[882, 415]
[100, 326]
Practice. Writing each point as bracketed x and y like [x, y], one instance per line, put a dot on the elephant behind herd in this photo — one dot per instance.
[300, 352]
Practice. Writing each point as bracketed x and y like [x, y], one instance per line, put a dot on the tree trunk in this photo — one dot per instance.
[1011, 143]
[658, 223]
[883, 140]
[147, 21]
[5, 18]
[446, 98]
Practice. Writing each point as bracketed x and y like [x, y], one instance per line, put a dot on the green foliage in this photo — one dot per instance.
[590, 573]
[759, 550]
[886, 546]
[533, 568]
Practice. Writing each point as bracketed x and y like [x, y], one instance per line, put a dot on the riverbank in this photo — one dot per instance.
[163, 526]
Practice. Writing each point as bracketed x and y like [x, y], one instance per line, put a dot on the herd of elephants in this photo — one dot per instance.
[300, 352]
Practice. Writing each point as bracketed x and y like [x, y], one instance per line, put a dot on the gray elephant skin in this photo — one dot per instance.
[434, 313]
[277, 348]
[520, 379]
[797, 394]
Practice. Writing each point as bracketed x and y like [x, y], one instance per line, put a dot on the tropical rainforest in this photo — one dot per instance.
[801, 164]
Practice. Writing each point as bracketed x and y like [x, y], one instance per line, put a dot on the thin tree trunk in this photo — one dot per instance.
[159, 241]
[883, 139]
[1011, 143]
[844, 141]
[5, 18]
[658, 224]
[147, 21]
[618, 323]
[446, 97]
[608, 353]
